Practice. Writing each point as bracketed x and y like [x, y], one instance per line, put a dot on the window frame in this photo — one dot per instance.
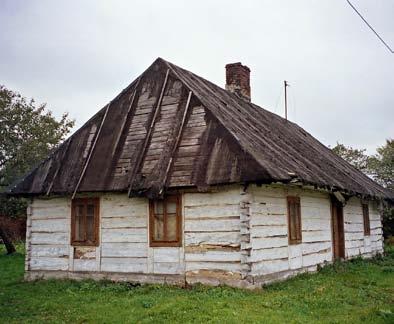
[96, 225]
[366, 220]
[294, 200]
[166, 243]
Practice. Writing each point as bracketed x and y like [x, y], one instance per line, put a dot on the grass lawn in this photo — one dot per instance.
[356, 291]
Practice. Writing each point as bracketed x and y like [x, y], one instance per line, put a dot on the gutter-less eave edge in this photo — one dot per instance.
[210, 187]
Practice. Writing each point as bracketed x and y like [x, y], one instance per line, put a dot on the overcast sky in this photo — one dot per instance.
[78, 55]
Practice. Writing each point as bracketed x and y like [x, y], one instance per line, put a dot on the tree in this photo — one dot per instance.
[355, 157]
[380, 167]
[28, 134]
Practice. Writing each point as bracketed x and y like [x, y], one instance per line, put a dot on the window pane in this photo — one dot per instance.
[90, 228]
[90, 222]
[292, 219]
[79, 223]
[171, 207]
[159, 207]
[298, 221]
[90, 210]
[366, 219]
[158, 227]
[171, 227]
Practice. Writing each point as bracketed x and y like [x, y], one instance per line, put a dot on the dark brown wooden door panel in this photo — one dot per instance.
[338, 233]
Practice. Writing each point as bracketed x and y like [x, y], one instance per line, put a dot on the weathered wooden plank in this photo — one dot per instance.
[269, 242]
[138, 165]
[268, 220]
[377, 231]
[124, 222]
[309, 224]
[316, 258]
[85, 265]
[167, 254]
[123, 206]
[215, 211]
[120, 235]
[86, 163]
[270, 266]
[45, 263]
[50, 225]
[354, 227]
[269, 209]
[269, 254]
[51, 251]
[124, 249]
[213, 238]
[49, 238]
[45, 212]
[214, 256]
[268, 231]
[308, 248]
[212, 225]
[167, 268]
[224, 197]
[316, 236]
[225, 266]
[354, 236]
[50, 202]
[355, 243]
[375, 224]
[138, 265]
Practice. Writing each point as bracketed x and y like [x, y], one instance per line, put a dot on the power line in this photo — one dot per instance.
[277, 100]
[381, 39]
[293, 104]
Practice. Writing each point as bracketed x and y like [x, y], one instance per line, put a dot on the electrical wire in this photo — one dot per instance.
[377, 35]
[277, 101]
[293, 104]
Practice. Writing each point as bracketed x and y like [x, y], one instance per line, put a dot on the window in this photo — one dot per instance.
[367, 228]
[165, 221]
[294, 220]
[85, 221]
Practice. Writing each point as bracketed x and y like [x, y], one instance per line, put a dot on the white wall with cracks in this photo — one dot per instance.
[233, 235]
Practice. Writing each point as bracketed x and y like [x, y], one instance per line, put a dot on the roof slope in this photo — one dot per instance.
[172, 128]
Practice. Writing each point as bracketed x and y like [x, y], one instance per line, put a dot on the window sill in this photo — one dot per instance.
[84, 244]
[165, 244]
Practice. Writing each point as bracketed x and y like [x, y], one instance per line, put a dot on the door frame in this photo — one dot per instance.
[337, 227]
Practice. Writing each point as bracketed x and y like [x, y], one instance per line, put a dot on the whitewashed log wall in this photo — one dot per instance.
[48, 234]
[271, 254]
[228, 235]
[272, 257]
[123, 239]
[355, 242]
[212, 236]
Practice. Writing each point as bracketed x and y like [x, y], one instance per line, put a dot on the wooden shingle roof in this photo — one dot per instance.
[171, 128]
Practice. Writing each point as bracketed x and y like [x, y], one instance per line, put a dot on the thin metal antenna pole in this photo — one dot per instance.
[286, 85]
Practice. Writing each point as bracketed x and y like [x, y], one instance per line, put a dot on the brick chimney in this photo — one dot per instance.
[238, 80]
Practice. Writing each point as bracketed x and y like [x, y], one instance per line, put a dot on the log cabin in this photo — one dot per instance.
[180, 181]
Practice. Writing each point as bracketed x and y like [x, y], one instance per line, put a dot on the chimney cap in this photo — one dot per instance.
[230, 65]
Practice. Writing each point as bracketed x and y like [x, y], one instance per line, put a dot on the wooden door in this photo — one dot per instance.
[338, 235]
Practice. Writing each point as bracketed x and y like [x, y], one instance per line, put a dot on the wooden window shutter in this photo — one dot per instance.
[294, 220]
[367, 227]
